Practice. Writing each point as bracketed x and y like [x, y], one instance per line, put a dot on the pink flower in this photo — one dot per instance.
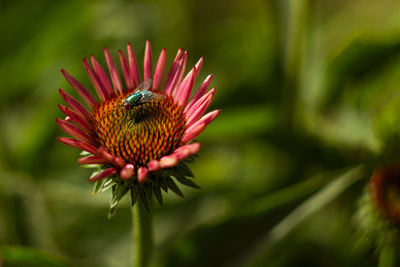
[138, 147]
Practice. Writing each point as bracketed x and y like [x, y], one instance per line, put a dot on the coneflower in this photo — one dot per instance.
[138, 133]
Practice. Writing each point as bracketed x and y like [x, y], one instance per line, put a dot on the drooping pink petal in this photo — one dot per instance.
[127, 172]
[98, 85]
[119, 162]
[109, 90]
[125, 70]
[192, 148]
[191, 133]
[74, 131]
[133, 66]
[106, 155]
[113, 72]
[168, 161]
[174, 73]
[92, 160]
[186, 151]
[160, 68]
[199, 107]
[153, 165]
[75, 105]
[147, 65]
[78, 144]
[82, 123]
[142, 174]
[86, 96]
[185, 88]
[87, 147]
[199, 92]
[104, 174]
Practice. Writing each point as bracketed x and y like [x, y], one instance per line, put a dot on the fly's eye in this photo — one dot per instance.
[125, 104]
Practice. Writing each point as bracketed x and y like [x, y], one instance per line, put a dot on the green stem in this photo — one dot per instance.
[142, 235]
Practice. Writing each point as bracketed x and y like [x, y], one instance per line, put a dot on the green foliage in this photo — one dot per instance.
[306, 89]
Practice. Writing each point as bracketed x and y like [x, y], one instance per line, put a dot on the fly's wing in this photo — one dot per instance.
[148, 96]
[144, 86]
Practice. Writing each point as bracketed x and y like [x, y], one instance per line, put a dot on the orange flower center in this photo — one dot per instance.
[141, 134]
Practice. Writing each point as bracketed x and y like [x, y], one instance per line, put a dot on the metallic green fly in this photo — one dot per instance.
[141, 95]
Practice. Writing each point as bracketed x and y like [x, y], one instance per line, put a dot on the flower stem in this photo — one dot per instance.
[142, 235]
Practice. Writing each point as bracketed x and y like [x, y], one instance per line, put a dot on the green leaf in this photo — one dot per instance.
[27, 256]
[172, 185]
[316, 202]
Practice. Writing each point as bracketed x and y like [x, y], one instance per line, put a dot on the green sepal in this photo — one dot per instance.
[135, 191]
[157, 194]
[172, 185]
[144, 198]
[117, 192]
[112, 212]
[182, 168]
[92, 166]
[98, 185]
[107, 184]
[183, 180]
[163, 184]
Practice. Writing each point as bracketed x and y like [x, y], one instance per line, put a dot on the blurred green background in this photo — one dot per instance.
[309, 93]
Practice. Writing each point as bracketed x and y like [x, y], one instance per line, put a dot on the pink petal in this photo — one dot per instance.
[180, 74]
[200, 92]
[193, 132]
[142, 174]
[74, 131]
[98, 85]
[92, 160]
[82, 123]
[196, 128]
[153, 165]
[185, 88]
[125, 70]
[199, 107]
[109, 90]
[133, 66]
[77, 144]
[192, 148]
[75, 105]
[127, 172]
[86, 96]
[198, 66]
[209, 117]
[147, 61]
[113, 72]
[104, 174]
[168, 161]
[160, 68]
[174, 72]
